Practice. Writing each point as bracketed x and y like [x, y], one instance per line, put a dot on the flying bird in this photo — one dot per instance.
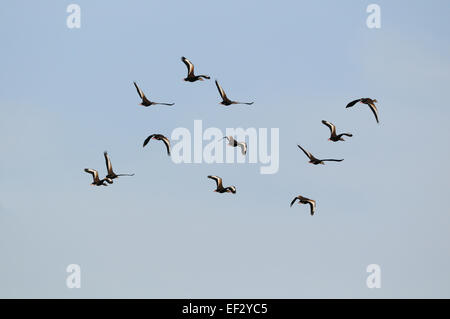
[369, 102]
[316, 161]
[225, 100]
[335, 137]
[234, 143]
[220, 188]
[191, 77]
[96, 180]
[146, 102]
[111, 175]
[159, 137]
[304, 200]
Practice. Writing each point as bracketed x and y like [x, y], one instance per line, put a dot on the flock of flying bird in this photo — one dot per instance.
[334, 137]
[191, 77]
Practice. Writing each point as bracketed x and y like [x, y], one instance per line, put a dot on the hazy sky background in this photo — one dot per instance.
[67, 95]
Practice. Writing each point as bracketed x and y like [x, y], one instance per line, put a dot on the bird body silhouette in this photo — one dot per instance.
[304, 200]
[225, 100]
[191, 77]
[111, 175]
[220, 188]
[146, 102]
[158, 137]
[335, 137]
[96, 180]
[368, 101]
[234, 143]
[316, 161]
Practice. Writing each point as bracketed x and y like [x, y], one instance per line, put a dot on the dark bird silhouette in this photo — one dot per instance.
[96, 180]
[369, 102]
[316, 161]
[234, 143]
[159, 137]
[220, 188]
[191, 77]
[146, 102]
[335, 137]
[111, 175]
[225, 100]
[304, 200]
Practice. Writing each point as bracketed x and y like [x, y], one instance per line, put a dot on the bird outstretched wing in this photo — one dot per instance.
[312, 204]
[353, 103]
[167, 143]
[332, 160]
[148, 139]
[243, 147]
[330, 126]
[141, 94]
[189, 66]
[306, 152]
[217, 179]
[108, 162]
[374, 111]
[232, 189]
[221, 91]
[158, 103]
[93, 172]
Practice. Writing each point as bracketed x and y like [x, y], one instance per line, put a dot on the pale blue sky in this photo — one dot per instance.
[67, 95]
